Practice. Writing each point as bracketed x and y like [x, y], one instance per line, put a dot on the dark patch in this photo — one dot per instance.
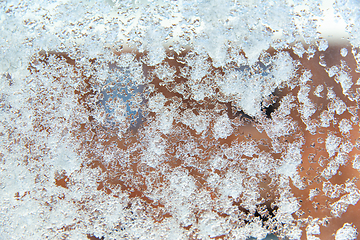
[92, 237]
[187, 227]
[243, 116]
[270, 109]
[264, 211]
[58, 55]
[267, 109]
[233, 113]
[274, 103]
[61, 180]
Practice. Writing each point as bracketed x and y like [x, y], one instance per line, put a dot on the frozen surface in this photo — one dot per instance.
[178, 120]
[347, 232]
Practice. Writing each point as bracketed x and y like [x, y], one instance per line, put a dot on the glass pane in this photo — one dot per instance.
[179, 119]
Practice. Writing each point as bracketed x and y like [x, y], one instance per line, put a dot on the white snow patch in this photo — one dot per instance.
[345, 126]
[332, 143]
[347, 232]
[222, 127]
[356, 162]
[318, 90]
[343, 52]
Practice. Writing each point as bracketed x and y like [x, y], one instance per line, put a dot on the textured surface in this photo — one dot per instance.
[178, 120]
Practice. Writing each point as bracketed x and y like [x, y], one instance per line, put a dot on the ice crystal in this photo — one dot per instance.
[332, 144]
[177, 120]
[356, 162]
[347, 232]
[345, 126]
[323, 45]
[313, 229]
[343, 52]
[318, 90]
[351, 198]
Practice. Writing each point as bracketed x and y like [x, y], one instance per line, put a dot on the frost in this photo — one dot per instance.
[332, 144]
[256, 230]
[245, 148]
[199, 122]
[323, 45]
[345, 126]
[165, 72]
[218, 162]
[345, 80]
[213, 226]
[155, 149]
[347, 232]
[332, 71]
[346, 147]
[298, 49]
[334, 164]
[330, 93]
[311, 52]
[291, 160]
[332, 191]
[313, 229]
[318, 90]
[351, 198]
[313, 193]
[222, 127]
[356, 162]
[283, 68]
[343, 52]
[307, 108]
[165, 121]
[294, 232]
[336, 104]
[280, 126]
[232, 184]
[286, 208]
[182, 184]
[263, 164]
[157, 102]
[175, 120]
[66, 159]
[286, 105]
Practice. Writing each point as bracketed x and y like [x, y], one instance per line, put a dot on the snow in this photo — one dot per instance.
[232, 185]
[298, 49]
[343, 52]
[307, 108]
[345, 80]
[173, 119]
[313, 229]
[347, 232]
[332, 143]
[213, 226]
[199, 123]
[222, 127]
[323, 45]
[345, 126]
[318, 90]
[356, 162]
[313, 193]
[351, 198]
[157, 102]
